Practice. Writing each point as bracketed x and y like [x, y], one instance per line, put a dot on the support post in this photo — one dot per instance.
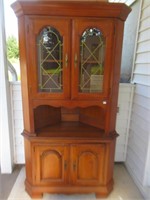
[6, 136]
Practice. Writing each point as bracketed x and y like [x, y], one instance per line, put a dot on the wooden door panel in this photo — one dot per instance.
[87, 164]
[106, 29]
[51, 164]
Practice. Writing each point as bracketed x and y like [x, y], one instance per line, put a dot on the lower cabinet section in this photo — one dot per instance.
[74, 164]
[64, 167]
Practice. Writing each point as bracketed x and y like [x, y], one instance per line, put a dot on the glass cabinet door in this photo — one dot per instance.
[50, 63]
[92, 58]
[50, 68]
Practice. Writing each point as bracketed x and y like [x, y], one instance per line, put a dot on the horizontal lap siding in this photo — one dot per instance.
[17, 122]
[137, 161]
[124, 102]
[123, 120]
[138, 153]
[128, 2]
[142, 59]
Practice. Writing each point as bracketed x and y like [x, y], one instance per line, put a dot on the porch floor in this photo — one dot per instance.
[124, 188]
[7, 181]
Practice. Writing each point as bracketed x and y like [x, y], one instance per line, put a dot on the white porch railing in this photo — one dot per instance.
[12, 70]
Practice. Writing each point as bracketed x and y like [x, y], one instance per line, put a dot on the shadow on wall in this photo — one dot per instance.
[125, 78]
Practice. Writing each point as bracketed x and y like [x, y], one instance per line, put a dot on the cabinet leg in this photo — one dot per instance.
[37, 196]
[32, 193]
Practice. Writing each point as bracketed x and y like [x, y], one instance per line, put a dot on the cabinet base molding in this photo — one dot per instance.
[38, 191]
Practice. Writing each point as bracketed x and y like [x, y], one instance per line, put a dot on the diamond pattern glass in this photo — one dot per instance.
[50, 65]
[92, 52]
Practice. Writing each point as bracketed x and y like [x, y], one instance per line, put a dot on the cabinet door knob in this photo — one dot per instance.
[66, 60]
[75, 60]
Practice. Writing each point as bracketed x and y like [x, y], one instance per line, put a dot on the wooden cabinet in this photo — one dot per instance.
[70, 55]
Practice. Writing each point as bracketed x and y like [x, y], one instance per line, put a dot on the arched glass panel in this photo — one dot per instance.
[92, 52]
[50, 66]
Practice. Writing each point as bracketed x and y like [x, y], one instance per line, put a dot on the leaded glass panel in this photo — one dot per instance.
[50, 65]
[92, 52]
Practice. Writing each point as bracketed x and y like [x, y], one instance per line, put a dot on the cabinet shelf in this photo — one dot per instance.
[71, 130]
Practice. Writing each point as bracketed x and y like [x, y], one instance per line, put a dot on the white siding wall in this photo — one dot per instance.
[128, 2]
[129, 40]
[123, 119]
[15, 89]
[138, 153]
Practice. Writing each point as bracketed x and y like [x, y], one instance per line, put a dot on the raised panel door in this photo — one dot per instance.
[48, 51]
[92, 58]
[51, 164]
[87, 162]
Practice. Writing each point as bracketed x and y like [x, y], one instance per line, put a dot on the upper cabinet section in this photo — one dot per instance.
[69, 58]
[69, 48]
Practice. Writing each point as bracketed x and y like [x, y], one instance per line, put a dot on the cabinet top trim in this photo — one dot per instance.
[71, 9]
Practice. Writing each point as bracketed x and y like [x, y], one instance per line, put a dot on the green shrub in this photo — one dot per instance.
[12, 48]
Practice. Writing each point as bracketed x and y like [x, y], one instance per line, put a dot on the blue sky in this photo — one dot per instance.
[10, 19]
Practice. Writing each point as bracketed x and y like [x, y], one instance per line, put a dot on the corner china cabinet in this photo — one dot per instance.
[70, 55]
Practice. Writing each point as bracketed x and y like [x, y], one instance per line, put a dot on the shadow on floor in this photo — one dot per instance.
[7, 181]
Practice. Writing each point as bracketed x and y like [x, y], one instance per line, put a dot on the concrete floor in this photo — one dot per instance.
[7, 181]
[124, 189]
